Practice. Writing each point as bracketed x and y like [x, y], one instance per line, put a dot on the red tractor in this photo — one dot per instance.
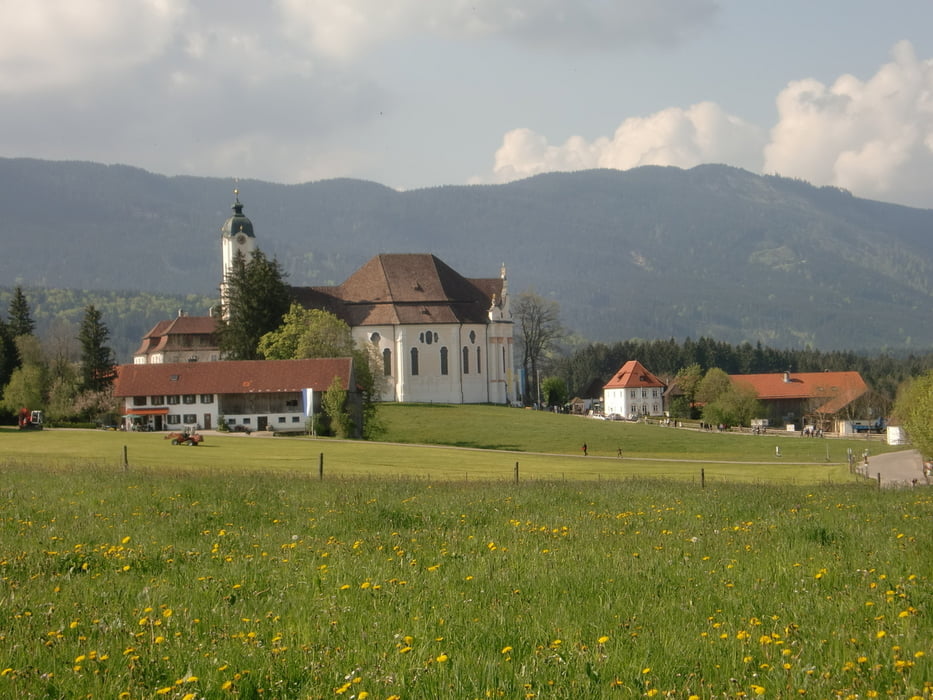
[30, 420]
[185, 438]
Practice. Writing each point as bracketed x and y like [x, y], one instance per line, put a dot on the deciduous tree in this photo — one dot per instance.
[539, 327]
[914, 407]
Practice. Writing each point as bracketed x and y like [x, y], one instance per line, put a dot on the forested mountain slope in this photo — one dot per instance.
[648, 253]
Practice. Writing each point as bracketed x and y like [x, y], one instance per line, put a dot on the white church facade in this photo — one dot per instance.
[441, 337]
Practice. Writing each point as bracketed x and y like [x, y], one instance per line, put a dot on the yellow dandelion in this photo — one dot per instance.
[442, 658]
[602, 640]
[880, 634]
[645, 670]
[506, 650]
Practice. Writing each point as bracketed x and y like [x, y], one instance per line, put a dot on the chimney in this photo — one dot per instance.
[787, 377]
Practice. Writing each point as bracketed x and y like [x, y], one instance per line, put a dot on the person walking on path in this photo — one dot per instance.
[584, 449]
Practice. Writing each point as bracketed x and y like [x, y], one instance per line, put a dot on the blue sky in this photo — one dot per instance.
[411, 93]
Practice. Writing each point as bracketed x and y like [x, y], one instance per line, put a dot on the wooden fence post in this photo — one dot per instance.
[702, 478]
[516, 472]
[126, 462]
[320, 467]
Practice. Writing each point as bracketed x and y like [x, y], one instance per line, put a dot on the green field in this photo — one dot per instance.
[230, 570]
[490, 440]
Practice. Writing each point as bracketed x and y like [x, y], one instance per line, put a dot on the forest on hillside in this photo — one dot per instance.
[651, 252]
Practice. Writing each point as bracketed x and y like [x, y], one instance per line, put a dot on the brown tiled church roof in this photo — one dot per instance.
[410, 288]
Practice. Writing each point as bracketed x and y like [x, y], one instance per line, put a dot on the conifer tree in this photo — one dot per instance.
[256, 299]
[20, 321]
[97, 359]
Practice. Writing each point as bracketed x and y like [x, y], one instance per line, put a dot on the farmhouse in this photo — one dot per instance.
[816, 398]
[277, 395]
[182, 339]
[441, 337]
[633, 391]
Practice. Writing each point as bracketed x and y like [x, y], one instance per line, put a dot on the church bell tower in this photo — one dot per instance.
[236, 237]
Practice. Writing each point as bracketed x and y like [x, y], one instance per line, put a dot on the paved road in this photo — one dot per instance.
[897, 469]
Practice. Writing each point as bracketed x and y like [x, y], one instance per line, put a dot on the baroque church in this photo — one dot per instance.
[441, 337]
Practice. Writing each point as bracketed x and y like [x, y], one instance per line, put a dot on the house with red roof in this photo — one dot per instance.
[276, 395]
[181, 339]
[814, 398]
[633, 391]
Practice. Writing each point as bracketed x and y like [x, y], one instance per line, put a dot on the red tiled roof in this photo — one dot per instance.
[838, 388]
[231, 377]
[633, 375]
[157, 338]
[404, 289]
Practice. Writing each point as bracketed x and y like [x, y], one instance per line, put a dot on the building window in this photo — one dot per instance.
[654, 393]
[414, 362]
[189, 398]
[139, 400]
[387, 362]
[173, 419]
[247, 421]
[190, 418]
[479, 361]
[173, 400]
[444, 361]
[375, 338]
[466, 360]
[156, 400]
[473, 337]
[207, 398]
[644, 393]
[296, 419]
[632, 394]
[281, 419]
[231, 421]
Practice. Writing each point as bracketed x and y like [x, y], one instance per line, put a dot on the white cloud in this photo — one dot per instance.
[46, 44]
[342, 29]
[703, 133]
[874, 138]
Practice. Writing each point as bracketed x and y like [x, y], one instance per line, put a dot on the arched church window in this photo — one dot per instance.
[414, 362]
[429, 337]
[387, 362]
[375, 338]
[479, 361]
[466, 360]
[444, 368]
[473, 337]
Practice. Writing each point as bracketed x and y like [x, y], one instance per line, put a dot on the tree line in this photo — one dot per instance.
[68, 374]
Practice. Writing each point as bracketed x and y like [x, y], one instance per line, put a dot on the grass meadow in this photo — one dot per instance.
[231, 570]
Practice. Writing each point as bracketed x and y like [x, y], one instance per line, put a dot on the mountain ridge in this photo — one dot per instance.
[653, 252]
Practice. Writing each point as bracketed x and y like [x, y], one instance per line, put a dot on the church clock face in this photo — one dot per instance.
[241, 239]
